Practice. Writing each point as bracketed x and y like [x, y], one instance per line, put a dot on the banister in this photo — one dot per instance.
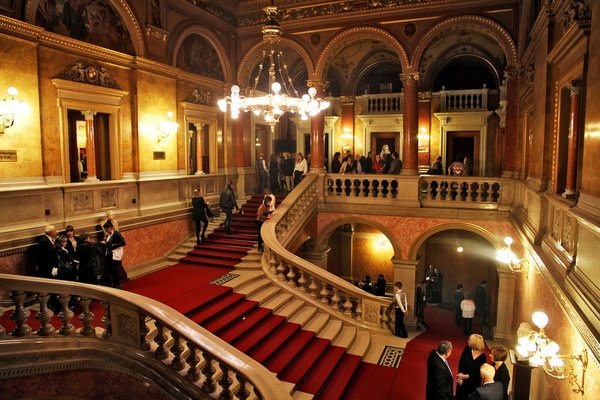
[125, 305]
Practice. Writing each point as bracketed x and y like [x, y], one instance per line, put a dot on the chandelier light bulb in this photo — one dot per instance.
[312, 92]
[508, 240]
[540, 319]
[522, 350]
[460, 249]
[276, 87]
[235, 89]
[12, 91]
[556, 362]
[536, 360]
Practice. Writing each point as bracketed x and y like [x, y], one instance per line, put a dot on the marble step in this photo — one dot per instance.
[304, 315]
[244, 278]
[277, 301]
[331, 330]
[317, 323]
[361, 343]
[345, 337]
[264, 295]
[289, 309]
[253, 287]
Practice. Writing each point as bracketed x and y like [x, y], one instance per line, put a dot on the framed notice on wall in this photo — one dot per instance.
[8, 156]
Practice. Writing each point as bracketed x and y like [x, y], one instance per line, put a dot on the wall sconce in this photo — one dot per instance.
[257, 143]
[506, 256]
[423, 135]
[347, 137]
[540, 351]
[460, 249]
[9, 108]
[167, 127]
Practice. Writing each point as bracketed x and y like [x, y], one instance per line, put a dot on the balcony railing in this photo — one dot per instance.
[391, 103]
[145, 329]
[464, 100]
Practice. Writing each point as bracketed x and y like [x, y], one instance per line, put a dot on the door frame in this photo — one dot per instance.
[476, 135]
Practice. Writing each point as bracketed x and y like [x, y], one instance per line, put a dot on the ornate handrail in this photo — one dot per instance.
[464, 100]
[463, 191]
[306, 280]
[175, 341]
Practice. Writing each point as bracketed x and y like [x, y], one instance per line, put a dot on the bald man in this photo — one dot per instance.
[489, 390]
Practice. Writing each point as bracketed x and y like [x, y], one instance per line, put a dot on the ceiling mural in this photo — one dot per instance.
[91, 21]
[198, 56]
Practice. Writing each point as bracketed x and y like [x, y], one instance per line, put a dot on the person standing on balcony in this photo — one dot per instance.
[300, 170]
[401, 309]
[227, 203]
[336, 165]
[288, 172]
[437, 168]
[368, 163]
[262, 172]
[395, 165]
[468, 166]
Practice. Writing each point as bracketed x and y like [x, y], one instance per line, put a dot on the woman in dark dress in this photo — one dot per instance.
[199, 207]
[498, 356]
[471, 359]
[336, 165]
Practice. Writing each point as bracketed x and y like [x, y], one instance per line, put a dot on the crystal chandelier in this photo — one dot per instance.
[276, 102]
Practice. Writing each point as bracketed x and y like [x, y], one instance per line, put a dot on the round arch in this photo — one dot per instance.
[362, 32]
[125, 12]
[465, 226]
[482, 24]
[212, 39]
[328, 230]
[246, 66]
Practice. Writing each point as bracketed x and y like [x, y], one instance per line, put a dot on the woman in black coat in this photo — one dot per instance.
[336, 165]
[113, 263]
[90, 260]
[498, 356]
[199, 207]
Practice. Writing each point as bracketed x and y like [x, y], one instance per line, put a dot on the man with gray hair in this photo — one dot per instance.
[439, 375]
[489, 390]
[46, 255]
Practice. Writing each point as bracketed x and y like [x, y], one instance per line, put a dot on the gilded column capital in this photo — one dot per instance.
[410, 77]
[319, 84]
[347, 99]
[575, 87]
[89, 115]
[511, 72]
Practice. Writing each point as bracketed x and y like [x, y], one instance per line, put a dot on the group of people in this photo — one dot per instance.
[466, 307]
[377, 288]
[384, 163]
[434, 283]
[81, 258]
[476, 378]
[281, 173]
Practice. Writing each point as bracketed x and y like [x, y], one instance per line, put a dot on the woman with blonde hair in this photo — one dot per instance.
[471, 360]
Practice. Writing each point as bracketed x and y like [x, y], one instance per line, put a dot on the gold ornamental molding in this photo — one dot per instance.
[361, 32]
[482, 24]
[555, 136]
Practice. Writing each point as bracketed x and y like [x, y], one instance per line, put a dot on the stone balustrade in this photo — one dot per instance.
[315, 285]
[382, 103]
[146, 328]
[464, 100]
[463, 191]
[361, 185]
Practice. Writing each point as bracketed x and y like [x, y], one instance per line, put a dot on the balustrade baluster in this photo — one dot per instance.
[208, 371]
[324, 294]
[272, 263]
[106, 320]
[479, 193]
[225, 382]
[20, 314]
[358, 310]
[242, 393]
[44, 316]
[347, 305]
[313, 288]
[144, 333]
[160, 339]
[192, 361]
[335, 300]
[384, 318]
[281, 271]
[177, 350]
[302, 282]
[291, 276]
[86, 318]
[65, 315]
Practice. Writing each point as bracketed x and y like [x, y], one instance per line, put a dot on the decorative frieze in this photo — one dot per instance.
[200, 96]
[578, 12]
[88, 73]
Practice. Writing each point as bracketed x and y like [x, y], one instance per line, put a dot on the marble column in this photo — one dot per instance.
[347, 236]
[405, 271]
[90, 146]
[348, 123]
[506, 300]
[410, 134]
[239, 140]
[317, 132]
[199, 147]
[512, 121]
[424, 159]
[317, 257]
[573, 144]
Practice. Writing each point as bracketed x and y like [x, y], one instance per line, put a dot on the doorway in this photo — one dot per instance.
[380, 139]
[461, 144]
[78, 146]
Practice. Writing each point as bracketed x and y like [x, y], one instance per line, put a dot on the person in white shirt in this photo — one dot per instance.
[300, 170]
[467, 307]
[401, 309]
[272, 197]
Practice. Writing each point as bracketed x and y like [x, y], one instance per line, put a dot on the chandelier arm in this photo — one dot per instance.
[287, 76]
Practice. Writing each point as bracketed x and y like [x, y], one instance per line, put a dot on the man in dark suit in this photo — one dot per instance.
[481, 301]
[489, 390]
[439, 375]
[46, 255]
[421, 304]
[396, 165]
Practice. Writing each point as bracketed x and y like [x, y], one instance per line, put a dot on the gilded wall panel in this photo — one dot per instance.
[19, 67]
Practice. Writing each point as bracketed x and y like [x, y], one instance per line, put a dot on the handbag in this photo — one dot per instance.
[209, 213]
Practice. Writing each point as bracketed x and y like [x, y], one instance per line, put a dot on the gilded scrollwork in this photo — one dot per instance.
[200, 96]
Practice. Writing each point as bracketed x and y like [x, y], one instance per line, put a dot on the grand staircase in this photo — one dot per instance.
[316, 353]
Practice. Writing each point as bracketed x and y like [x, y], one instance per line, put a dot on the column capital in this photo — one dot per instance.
[575, 87]
[510, 72]
[410, 265]
[410, 77]
[89, 115]
[319, 84]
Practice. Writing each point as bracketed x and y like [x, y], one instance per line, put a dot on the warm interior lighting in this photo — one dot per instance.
[276, 102]
[506, 256]
[167, 127]
[460, 249]
[382, 244]
[540, 351]
[10, 108]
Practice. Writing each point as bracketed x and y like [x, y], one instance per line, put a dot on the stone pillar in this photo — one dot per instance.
[405, 271]
[410, 134]
[199, 147]
[317, 257]
[90, 146]
[424, 135]
[317, 134]
[346, 259]
[239, 140]
[348, 123]
[573, 146]
[512, 121]
[506, 299]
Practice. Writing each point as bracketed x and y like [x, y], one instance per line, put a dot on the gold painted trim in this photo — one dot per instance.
[316, 30]
[555, 133]
[398, 21]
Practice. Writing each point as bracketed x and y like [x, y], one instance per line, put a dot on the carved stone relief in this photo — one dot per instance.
[557, 225]
[81, 201]
[577, 12]
[90, 74]
[200, 96]
[108, 198]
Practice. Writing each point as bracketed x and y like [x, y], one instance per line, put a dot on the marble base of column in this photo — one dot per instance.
[318, 258]
[409, 171]
[405, 271]
[91, 179]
